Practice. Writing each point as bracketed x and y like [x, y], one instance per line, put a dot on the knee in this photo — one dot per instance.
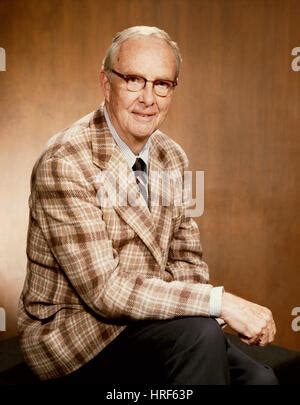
[211, 333]
[263, 375]
[203, 331]
[201, 356]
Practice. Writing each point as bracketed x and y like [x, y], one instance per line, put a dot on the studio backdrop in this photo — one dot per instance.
[236, 113]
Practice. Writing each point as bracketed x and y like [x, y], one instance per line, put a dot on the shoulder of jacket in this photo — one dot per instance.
[71, 145]
[69, 139]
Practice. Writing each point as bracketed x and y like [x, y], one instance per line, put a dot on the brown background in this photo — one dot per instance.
[236, 113]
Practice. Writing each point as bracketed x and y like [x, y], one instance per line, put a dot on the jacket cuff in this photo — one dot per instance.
[215, 301]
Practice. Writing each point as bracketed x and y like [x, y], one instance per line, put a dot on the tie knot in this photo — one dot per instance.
[139, 165]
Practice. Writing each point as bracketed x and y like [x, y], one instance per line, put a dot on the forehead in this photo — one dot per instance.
[148, 56]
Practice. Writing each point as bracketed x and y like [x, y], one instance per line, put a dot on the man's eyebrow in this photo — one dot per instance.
[141, 75]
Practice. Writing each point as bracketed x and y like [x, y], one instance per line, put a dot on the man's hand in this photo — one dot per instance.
[254, 323]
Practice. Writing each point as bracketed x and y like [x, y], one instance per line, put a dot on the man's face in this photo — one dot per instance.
[136, 115]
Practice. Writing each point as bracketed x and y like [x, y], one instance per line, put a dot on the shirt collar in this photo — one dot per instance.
[127, 152]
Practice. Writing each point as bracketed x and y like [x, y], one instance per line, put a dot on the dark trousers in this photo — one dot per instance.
[190, 350]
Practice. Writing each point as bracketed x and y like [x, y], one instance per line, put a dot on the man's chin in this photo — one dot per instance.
[141, 131]
[142, 136]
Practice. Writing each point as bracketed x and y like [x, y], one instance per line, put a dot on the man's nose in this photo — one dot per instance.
[147, 94]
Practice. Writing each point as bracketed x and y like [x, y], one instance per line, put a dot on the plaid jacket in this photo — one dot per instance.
[91, 269]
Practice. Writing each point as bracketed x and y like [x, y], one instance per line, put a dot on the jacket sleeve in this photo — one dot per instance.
[185, 255]
[65, 206]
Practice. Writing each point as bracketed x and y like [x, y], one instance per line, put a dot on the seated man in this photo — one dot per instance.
[116, 290]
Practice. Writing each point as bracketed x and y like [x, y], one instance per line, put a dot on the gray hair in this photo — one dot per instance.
[137, 31]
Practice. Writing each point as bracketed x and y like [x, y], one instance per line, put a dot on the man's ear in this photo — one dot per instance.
[105, 84]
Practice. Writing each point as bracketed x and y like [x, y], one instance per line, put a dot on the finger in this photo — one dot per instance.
[244, 339]
[263, 342]
[250, 341]
[271, 332]
[266, 338]
[254, 341]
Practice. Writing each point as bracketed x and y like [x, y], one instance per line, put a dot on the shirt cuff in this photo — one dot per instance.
[215, 301]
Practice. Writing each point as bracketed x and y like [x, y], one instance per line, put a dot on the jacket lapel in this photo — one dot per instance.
[109, 158]
[160, 190]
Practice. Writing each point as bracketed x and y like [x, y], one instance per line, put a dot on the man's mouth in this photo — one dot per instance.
[142, 116]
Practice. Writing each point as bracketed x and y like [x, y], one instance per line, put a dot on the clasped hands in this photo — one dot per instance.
[253, 323]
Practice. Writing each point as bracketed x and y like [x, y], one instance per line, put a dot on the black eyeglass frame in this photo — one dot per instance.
[126, 78]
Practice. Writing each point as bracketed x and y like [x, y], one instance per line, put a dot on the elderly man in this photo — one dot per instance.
[117, 292]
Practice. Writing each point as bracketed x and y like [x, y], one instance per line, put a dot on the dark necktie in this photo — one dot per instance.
[140, 171]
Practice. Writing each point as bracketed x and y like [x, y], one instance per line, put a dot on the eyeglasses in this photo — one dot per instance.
[136, 83]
